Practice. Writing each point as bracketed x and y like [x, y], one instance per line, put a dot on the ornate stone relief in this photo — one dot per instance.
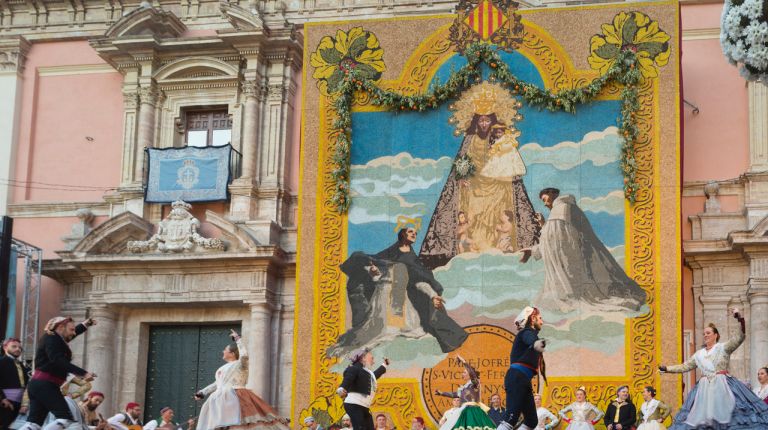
[13, 54]
[177, 233]
[712, 205]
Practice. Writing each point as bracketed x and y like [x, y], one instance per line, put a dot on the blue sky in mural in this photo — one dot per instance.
[401, 161]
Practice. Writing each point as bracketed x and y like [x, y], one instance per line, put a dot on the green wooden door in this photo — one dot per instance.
[182, 360]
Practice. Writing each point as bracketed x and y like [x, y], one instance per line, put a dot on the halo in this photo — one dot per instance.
[484, 99]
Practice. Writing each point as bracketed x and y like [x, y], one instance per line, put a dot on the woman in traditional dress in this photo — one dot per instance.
[229, 402]
[473, 414]
[547, 420]
[718, 401]
[452, 413]
[621, 413]
[584, 415]
[653, 412]
[762, 390]
[493, 185]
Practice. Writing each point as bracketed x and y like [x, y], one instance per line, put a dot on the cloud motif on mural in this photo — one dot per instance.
[398, 174]
[599, 147]
[483, 280]
[383, 209]
[612, 203]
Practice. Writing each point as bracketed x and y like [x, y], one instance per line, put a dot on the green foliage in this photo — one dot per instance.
[624, 71]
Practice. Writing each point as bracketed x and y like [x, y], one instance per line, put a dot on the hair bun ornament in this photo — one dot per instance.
[581, 388]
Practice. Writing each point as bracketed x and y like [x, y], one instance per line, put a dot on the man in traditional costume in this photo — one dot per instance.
[53, 361]
[398, 264]
[130, 419]
[358, 388]
[166, 421]
[578, 267]
[526, 361]
[88, 408]
[13, 381]
[497, 413]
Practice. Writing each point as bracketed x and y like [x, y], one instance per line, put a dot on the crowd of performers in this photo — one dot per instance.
[717, 402]
[58, 395]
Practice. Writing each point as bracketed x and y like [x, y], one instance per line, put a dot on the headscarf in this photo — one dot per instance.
[524, 315]
[53, 323]
[95, 394]
[131, 405]
[358, 355]
[309, 419]
[10, 340]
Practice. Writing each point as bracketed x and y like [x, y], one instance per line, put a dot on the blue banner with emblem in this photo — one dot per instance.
[191, 174]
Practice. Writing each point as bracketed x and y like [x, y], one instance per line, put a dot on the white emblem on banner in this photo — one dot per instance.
[188, 174]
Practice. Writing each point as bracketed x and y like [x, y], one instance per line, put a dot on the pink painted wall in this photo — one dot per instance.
[716, 141]
[57, 113]
[53, 144]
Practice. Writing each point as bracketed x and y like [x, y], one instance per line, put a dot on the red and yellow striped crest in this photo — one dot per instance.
[485, 19]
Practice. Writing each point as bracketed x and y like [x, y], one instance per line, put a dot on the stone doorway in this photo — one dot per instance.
[182, 359]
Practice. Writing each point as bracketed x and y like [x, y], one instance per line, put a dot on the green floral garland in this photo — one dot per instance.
[623, 71]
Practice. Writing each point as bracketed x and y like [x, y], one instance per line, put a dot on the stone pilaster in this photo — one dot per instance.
[244, 204]
[100, 353]
[757, 181]
[13, 52]
[260, 363]
[277, 125]
[130, 127]
[758, 126]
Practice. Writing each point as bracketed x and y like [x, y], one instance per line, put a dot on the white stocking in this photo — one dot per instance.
[58, 424]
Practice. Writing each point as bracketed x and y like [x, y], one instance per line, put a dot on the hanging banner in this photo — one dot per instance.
[191, 174]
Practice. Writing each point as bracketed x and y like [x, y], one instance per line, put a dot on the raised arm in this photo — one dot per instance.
[447, 394]
[687, 366]
[734, 343]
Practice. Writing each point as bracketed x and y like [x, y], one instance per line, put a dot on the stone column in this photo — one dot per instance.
[14, 52]
[146, 128]
[260, 350]
[100, 353]
[249, 137]
[243, 189]
[758, 329]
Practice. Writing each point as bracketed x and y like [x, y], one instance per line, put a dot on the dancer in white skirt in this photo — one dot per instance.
[547, 420]
[230, 403]
[653, 412]
[584, 415]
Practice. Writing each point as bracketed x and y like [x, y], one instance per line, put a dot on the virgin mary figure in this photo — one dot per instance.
[478, 208]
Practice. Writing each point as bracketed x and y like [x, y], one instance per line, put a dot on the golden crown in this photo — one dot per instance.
[485, 102]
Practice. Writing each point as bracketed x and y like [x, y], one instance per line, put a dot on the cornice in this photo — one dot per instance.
[78, 69]
[701, 33]
[56, 209]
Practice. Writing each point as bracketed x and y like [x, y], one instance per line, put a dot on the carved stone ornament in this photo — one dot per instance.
[712, 205]
[177, 233]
